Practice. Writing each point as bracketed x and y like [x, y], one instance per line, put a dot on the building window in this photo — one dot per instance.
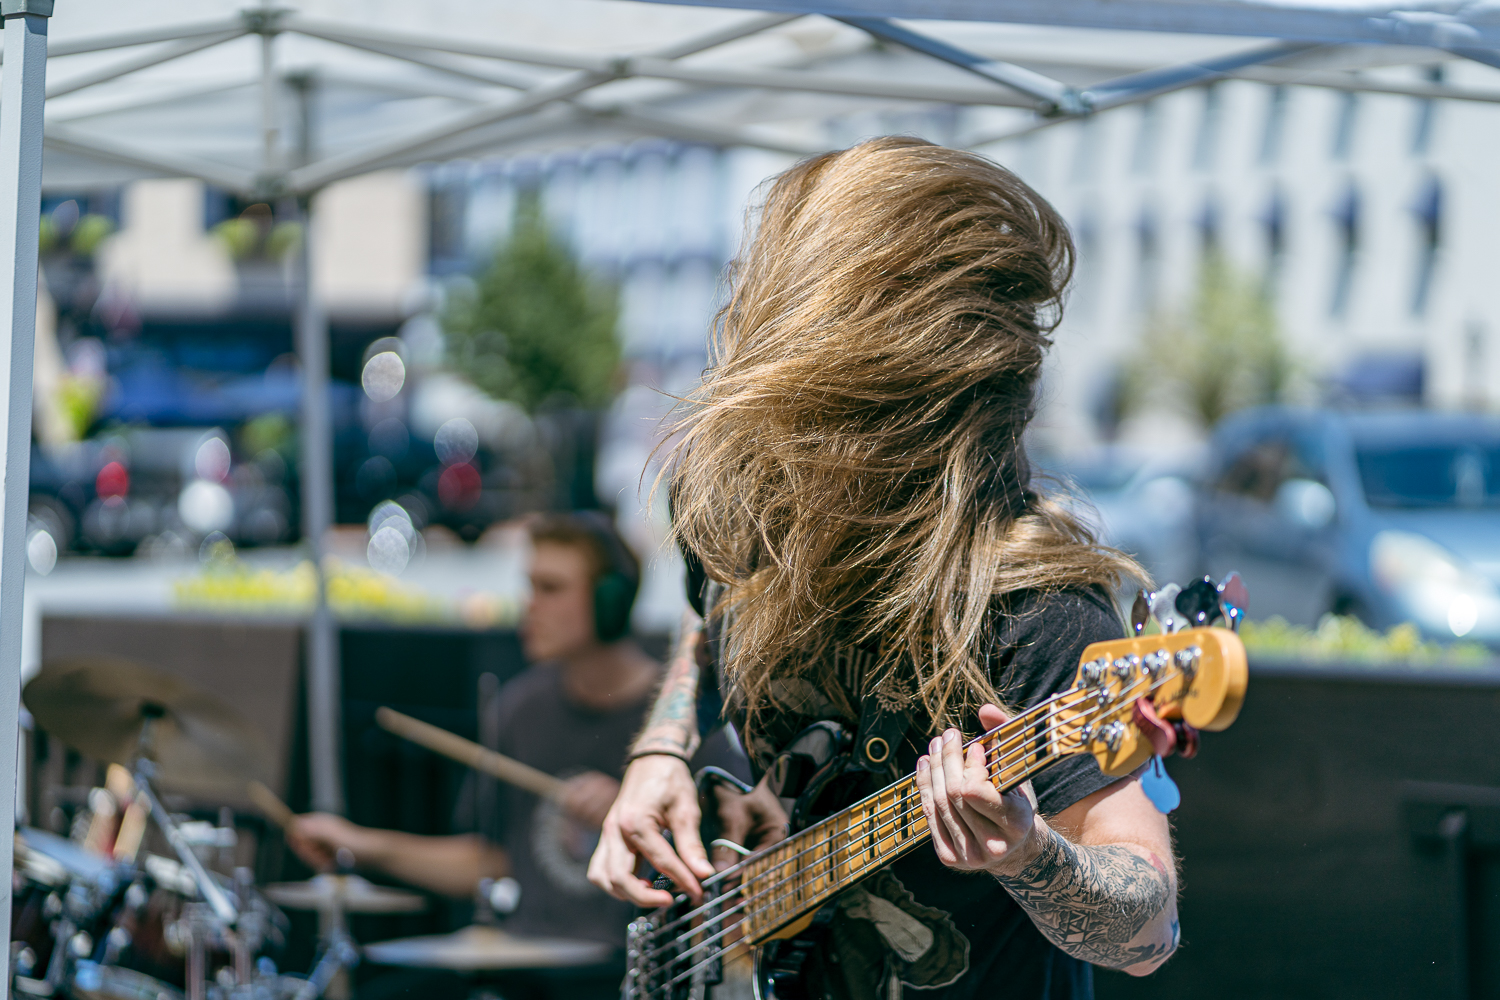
[1147, 139]
[1273, 223]
[447, 207]
[1427, 211]
[1426, 115]
[1086, 283]
[1346, 221]
[1085, 150]
[1148, 252]
[1270, 139]
[1207, 145]
[1208, 226]
[1344, 125]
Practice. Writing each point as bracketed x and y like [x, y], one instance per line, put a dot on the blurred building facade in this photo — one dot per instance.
[1373, 219]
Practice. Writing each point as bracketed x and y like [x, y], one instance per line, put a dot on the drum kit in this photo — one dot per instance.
[99, 916]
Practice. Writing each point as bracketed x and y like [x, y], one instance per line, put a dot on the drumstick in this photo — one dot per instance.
[468, 752]
[270, 803]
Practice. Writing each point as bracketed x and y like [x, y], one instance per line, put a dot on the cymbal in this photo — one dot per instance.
[99, 705]
[476, 948]
[349, 893]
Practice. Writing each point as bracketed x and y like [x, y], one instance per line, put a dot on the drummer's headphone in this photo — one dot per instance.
[619, 579]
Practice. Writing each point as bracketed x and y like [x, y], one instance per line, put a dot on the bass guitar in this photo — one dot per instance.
[1131, 698]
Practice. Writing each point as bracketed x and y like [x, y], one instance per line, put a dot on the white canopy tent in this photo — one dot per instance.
[280, 103]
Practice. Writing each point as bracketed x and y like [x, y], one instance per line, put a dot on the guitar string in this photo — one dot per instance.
[999, 762]
[739, 867]
[915, 840]
[907, 813]
[907, 808]
[911, 812]
[758, 888]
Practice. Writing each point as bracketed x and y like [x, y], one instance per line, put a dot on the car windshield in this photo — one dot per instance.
[1431, 475]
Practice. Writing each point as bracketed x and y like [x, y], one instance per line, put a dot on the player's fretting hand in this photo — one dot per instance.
[973, 826]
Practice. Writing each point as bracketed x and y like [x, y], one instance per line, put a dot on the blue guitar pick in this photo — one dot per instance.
[1160, 788]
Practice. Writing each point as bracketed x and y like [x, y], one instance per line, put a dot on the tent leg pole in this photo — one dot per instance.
[324, 684]
[22, 93]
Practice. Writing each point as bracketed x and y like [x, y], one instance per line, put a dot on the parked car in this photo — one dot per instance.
[168, 487]
[1391, 516]
[1142, 506]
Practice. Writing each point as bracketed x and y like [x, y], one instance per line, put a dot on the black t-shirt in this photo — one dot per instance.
[549, 853]
[949, 935]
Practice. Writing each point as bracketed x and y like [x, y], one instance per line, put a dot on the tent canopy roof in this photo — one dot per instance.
[277, 100]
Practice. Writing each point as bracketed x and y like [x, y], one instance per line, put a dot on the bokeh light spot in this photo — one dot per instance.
[384, 375]
[456, 441]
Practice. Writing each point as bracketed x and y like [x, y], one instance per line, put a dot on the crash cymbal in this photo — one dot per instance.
[349, 893]
[476, 948]
[98, 706]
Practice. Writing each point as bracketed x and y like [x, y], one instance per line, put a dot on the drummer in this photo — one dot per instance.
[573, 714]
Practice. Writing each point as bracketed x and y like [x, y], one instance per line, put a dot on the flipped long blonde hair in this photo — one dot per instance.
[851, 467]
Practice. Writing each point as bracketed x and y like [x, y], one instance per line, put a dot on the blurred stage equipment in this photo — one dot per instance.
[480, 948]
[270, 803]
[334, 897]
[469, 753]
[114, 710]
[103, 920]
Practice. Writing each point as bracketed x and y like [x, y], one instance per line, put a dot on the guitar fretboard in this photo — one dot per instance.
[806, 869]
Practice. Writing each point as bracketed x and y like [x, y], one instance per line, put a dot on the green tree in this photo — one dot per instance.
[536, 328]
[1223, 353]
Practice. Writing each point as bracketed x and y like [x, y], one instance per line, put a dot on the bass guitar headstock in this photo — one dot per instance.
[1151, 694]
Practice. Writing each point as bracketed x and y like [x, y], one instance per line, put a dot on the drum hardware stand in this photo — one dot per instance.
[145, 769]
[199, 928]
[329, 976]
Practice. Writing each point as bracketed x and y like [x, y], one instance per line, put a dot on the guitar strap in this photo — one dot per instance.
[881, 731]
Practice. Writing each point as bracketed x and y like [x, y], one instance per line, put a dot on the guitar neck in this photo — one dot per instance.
[807, 869]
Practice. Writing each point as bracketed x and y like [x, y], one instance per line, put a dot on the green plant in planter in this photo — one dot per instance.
[1344, 639]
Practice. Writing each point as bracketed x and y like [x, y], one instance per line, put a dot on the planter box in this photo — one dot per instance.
[1311, 832]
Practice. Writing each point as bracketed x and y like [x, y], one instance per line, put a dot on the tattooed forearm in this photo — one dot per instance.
[1092, 902]
[672, 726]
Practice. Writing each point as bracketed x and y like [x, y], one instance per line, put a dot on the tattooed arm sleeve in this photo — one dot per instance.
[1108, 904]
[672, 726]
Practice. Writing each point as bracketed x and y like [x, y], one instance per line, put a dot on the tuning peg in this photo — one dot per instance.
[1164, 608]
[1199, 603]
[1234, 600]
[1140, 612]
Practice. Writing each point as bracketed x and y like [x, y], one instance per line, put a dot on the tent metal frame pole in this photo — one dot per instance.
[324, 680]
[126, 39]
[22, 97]
[1142, 86]
[70, 140]
[124, 67]
[334, 31]
[1331, 25]
[1051, 94]
[315, 445]
[317, 175]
